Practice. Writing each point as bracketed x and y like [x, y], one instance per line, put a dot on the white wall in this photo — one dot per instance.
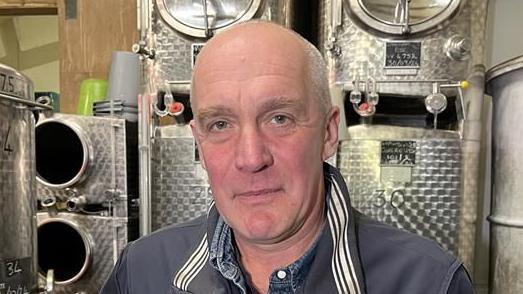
[504, 31]
[30, 45]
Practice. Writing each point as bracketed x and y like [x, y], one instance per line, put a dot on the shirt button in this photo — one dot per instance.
[281, 275]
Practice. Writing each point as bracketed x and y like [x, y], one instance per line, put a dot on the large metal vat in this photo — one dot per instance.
[505, 84]
[180, 187]
[87, 190]
[17, 184]
[181, 27]
[399, 42]
[81, 249]
[82, 160]
[411, 152]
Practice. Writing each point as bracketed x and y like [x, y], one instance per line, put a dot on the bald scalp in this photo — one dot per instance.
[315, 70]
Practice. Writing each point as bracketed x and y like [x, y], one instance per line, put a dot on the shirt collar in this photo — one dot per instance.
[222, 257]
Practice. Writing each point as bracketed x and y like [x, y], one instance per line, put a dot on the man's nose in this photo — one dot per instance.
[252, 153]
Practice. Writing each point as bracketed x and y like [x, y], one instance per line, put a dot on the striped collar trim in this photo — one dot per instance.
[195, 263]
[346, 267]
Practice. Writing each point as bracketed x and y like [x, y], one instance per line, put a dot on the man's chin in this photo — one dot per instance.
[260, 231]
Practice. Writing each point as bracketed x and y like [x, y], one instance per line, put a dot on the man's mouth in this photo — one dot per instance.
[258, 192]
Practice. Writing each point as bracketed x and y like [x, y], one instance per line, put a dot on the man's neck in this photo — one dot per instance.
[260, 260]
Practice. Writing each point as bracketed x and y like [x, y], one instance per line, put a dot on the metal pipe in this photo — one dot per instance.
[144, 137]
[472, 106]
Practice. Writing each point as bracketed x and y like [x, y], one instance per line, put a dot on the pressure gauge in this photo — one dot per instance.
[201, 18]
[399, 17]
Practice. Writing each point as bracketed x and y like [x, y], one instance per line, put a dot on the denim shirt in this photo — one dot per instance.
[282, 281]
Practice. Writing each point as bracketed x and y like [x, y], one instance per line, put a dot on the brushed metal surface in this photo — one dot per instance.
[363, 52]
[506, 219]
[99, 173]
[180, 190]
[204, 18]
[108, 237]
[15, 84]
[17, 187]
[173, 60]
[424, 198]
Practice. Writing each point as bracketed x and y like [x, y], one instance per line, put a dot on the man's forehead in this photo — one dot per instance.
[247, 42]
[251, 52]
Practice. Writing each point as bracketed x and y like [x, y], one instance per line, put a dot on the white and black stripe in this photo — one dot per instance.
[342, 258]
[193, 265]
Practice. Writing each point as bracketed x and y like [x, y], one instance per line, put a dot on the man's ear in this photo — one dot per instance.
[330, 140]
[197, 137]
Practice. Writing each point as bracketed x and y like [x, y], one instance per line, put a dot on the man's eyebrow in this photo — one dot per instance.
[281, 103]
[206, 113]
[275, 103]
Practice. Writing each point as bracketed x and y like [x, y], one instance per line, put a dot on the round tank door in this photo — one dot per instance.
[201, 18]
[400, 17]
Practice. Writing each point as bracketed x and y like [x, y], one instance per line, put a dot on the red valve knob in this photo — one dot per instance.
[176, 108]
[363, 106]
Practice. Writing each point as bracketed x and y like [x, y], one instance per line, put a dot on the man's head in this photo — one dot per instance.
[264, 125]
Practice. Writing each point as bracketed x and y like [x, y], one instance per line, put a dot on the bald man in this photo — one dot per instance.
[281, 220]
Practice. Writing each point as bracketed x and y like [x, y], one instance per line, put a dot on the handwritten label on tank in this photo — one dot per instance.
[15, 276]
[11, 85]
[5, 140]
[398, 153]
[403, 54]
[196, 48]
[394, 199]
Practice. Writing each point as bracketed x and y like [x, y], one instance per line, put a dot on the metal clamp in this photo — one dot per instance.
[48, 201]
[34, 105]
[142, 49]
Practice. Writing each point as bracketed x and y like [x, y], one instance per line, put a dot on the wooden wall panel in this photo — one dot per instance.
[28, 3]
[87, 40]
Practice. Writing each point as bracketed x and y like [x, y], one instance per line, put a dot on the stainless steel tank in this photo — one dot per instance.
[17, 184]
[181, 28]
[402, 41]
[505, 84]
[180, 187]
[87, 190]
[411, 152]
[81, 249]
[82, 160]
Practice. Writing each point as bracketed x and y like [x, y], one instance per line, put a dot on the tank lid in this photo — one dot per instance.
[504, 67]
[15, 84]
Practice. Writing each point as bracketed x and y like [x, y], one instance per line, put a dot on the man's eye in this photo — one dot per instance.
[219, 125]
[279, 119]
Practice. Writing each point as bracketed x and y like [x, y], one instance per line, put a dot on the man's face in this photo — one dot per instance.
[262, 138]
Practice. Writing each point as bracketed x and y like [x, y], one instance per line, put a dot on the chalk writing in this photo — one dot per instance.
[6, 145]
[396, 199]
[11, 85]
[398, 153]
[403, 54]
[16, 276]
[196, 48]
